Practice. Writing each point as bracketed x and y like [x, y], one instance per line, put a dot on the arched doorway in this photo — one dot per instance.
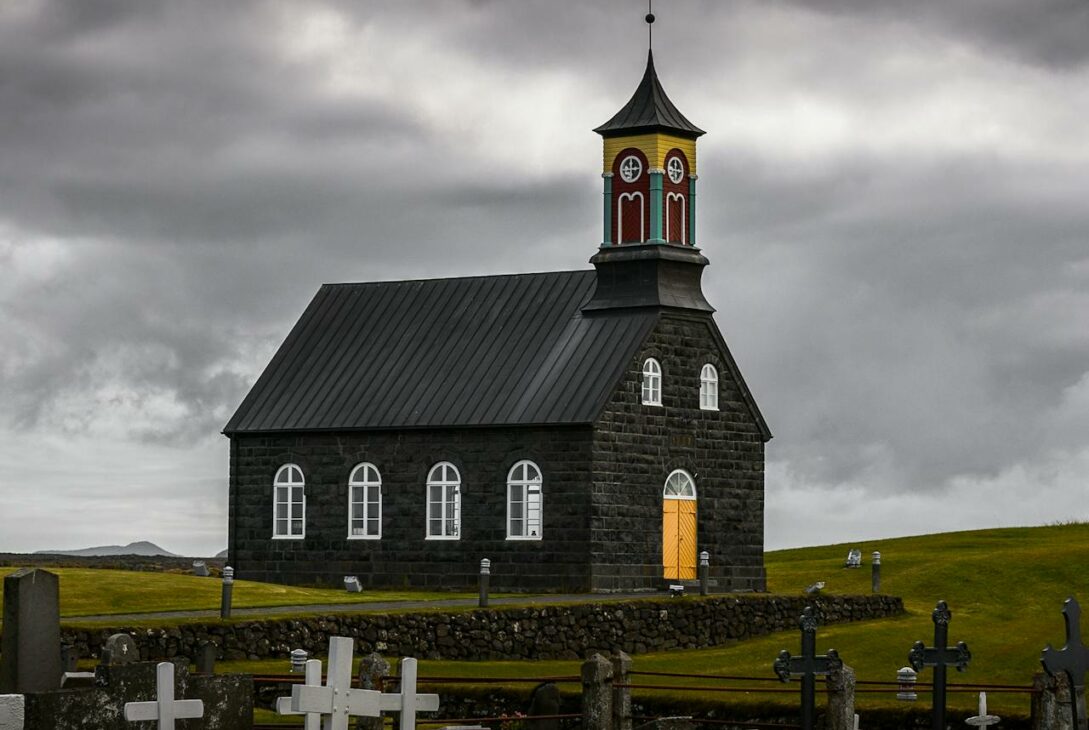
[679, 527]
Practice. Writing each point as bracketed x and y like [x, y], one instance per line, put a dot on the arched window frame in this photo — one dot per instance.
[669, 219]
[652, 382]
[289, 492]
[708, 388]
[525, 501]
[620, 215]
[446, 478]
[679, 485]
[365, 492]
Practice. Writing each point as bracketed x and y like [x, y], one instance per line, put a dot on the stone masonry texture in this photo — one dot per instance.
[602, 494]
[548, 632]
[403, 557]
[636, 447]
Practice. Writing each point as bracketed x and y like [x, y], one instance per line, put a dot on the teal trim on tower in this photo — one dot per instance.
[608, 193]
[656, 206]
[691, 210]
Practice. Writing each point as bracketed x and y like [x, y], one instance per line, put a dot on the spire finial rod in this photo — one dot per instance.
[650, 24]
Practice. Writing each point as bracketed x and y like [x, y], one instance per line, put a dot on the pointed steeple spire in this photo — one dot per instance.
[649, 110]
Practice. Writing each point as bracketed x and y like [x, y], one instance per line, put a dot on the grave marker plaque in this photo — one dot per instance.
[31, 645]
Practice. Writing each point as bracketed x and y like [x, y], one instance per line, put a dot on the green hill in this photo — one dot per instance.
[1005, 588]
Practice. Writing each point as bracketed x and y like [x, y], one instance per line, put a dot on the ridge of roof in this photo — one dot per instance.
[649, 109]
[379, 282]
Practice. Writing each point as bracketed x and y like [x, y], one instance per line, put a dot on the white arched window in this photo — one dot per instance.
[524, 487]
[679, 485]
[288, 503]
[443, 502]
[365, 503]
[709, 388]
[652, 383]
[620, 215]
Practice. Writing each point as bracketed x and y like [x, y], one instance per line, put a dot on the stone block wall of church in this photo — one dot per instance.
[637, 446]
[403, 557]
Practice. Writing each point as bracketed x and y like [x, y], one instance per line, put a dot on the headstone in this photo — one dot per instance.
[120, 650]
[854, 559]
[12, 712]
[1072, 660]
[941, 657]
[30, 658]
[164, 708]
[983, 719]
[807, 666]
[373, 670]
[206, 659]
[815, 588]
[200, 569]
[69, 658]
[597, 693]
[77, 680]
[352, 585]
[545, 700]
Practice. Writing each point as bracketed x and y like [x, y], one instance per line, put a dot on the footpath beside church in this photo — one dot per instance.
[585, 430]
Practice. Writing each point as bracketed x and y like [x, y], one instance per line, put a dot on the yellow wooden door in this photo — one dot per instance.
[679, 539]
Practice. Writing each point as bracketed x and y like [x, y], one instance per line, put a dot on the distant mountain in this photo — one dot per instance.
[221, 554]
[133, 548]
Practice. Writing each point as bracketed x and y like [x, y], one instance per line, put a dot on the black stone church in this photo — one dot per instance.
[584, 430]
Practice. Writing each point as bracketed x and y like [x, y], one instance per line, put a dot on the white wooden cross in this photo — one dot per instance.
[407, 702]
[312, 676]
[336, 701]
[165, 708]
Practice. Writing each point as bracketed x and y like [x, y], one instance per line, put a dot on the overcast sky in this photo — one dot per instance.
[893, 197]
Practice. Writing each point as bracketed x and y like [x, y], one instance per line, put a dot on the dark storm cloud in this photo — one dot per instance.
[922, 332]
[1050, 32]
[890, 195]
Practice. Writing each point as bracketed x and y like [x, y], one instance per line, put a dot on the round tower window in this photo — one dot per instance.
[675, 169]
[631, 168]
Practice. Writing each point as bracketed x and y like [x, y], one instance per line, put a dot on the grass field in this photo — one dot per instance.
[90, 591]
[1005, 588]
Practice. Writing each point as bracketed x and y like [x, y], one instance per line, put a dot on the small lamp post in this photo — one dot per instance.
[298, 660]
[228, 588]
[906, 678]
[485, 578]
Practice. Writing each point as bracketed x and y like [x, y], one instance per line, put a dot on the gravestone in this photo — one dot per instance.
[31, 657]
[164, 709]
[940, 657]
[12, 712]
[1072, 660]
[200, 569]
[854, 559]
[69, 658]
[545, 700]
[373, 670]
[807, 666]
[352, 584]
[206, 659]
[120, 650]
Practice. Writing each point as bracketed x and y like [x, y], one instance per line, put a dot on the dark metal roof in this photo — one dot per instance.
[648, 110]
[478, 351]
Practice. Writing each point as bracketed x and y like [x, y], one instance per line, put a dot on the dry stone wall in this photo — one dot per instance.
[549, 632]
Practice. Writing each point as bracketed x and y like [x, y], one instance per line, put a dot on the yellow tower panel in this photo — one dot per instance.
[655, 145]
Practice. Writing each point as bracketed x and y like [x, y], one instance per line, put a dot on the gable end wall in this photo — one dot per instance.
[636, 447]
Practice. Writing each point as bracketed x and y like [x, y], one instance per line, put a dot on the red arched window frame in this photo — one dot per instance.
[675, 201]
[631, 200]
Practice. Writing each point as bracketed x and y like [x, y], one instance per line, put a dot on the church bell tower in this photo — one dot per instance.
[649, 169]
[648, 255]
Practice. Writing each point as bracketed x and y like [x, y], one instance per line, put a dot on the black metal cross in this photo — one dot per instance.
[807, 666]
[1072, 660]
[940, 657]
